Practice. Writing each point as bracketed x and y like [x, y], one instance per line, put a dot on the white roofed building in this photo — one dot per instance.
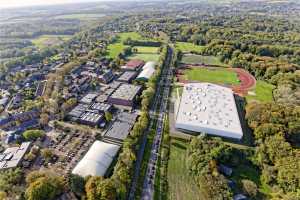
[147, 72]
[97, 160]
[208, 108]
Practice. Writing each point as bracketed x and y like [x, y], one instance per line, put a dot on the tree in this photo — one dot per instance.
[250, 188]
[98, 188]
[44, 188]
[33, 134]
[44, 119]
[47, 154]
[108, 116]
[77, 184]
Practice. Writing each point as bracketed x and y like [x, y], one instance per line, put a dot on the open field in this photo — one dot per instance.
[132, 35]
[219, 76]
[80, 16]
[188, 47]
[145, 57]
[199, 59]
[181, 183]
[144, 49]
[50, 40]
[262, 92]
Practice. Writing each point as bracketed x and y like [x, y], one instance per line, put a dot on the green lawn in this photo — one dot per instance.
[220, 76]
[262, 92]
[145, 57]
[150, 50]
[132, 35]
[181, 183]
[50, 40]
[188, 47]
[199, 59]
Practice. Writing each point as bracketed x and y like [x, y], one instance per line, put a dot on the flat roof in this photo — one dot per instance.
[78, 110]
[12, 156]
[101, 106]
[122, 126]
[88, 98]
[126, 92]
[127, 76]
[91, 117]
[208, 108]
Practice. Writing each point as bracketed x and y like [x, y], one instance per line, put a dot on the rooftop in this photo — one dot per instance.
[12, 156]
[126, 92]
[127, 76]
[91, 117]
[208, 108]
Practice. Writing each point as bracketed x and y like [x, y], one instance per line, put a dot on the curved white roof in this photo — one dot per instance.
[97, 160]
[148, 70]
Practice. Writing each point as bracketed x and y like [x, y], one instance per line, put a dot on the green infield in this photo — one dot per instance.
[188, 47]
[151, 50]
[262, 92]
[145, 57]
[199, 59]
[181, 183]
[50, 40]
[215, 75]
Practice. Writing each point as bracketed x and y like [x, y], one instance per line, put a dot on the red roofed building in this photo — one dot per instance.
[133, 65]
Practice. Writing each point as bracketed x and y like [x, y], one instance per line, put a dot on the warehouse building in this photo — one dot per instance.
[147, 72]
[133, 65]
[208, 108]
[101, 107]
[97, 160]
[127, 76]
[12, 157]
[125, 95]
[91, 118]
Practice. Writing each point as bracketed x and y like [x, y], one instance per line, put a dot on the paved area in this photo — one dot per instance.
[159, 100]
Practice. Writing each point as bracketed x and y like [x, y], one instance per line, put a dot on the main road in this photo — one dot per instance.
[160, 100]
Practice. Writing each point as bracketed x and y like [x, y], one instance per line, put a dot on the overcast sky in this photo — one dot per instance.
[21, 3]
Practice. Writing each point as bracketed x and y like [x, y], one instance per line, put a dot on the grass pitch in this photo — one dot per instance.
[219, 76]
[199, 59]
[262, 92]
[188, 47]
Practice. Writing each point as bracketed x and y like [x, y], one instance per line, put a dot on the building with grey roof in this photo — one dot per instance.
[78, 111]
[12, 157]
[208, 108]
[89, 98]
[91, 118]
[125, 95]
[127, 76]
[101, 107]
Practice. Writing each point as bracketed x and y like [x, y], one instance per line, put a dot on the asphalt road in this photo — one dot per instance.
[162, 101]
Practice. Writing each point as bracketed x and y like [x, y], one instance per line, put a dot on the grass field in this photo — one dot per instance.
[181, 184]
[50, 40]
[220, 76]
[188, 47]
[199, 59]
[145, 57]
[150, 50]
[262, 92]
[116, 48]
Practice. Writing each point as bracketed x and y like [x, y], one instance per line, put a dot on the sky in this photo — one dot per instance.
[21, 3]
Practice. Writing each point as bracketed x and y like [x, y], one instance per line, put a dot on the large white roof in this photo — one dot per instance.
[97, 160]
[208, 108]
[148, 70]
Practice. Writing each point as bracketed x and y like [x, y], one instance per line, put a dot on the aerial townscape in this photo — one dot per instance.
[150, 100]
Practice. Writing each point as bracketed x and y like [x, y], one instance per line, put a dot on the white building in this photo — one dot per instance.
[97, 160]
[147, 72]
[208, 108]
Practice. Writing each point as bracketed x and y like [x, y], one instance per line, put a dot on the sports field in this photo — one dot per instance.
[262, 92]
[181, 183]
[50, 40]
[188, 47]
[199, 59]
[146, 49]
[145, 57]
[215, 75]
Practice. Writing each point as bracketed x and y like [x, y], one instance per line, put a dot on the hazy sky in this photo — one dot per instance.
[20, 3]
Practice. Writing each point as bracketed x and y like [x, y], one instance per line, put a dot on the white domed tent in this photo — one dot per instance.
[148, 70]
[97, 160]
